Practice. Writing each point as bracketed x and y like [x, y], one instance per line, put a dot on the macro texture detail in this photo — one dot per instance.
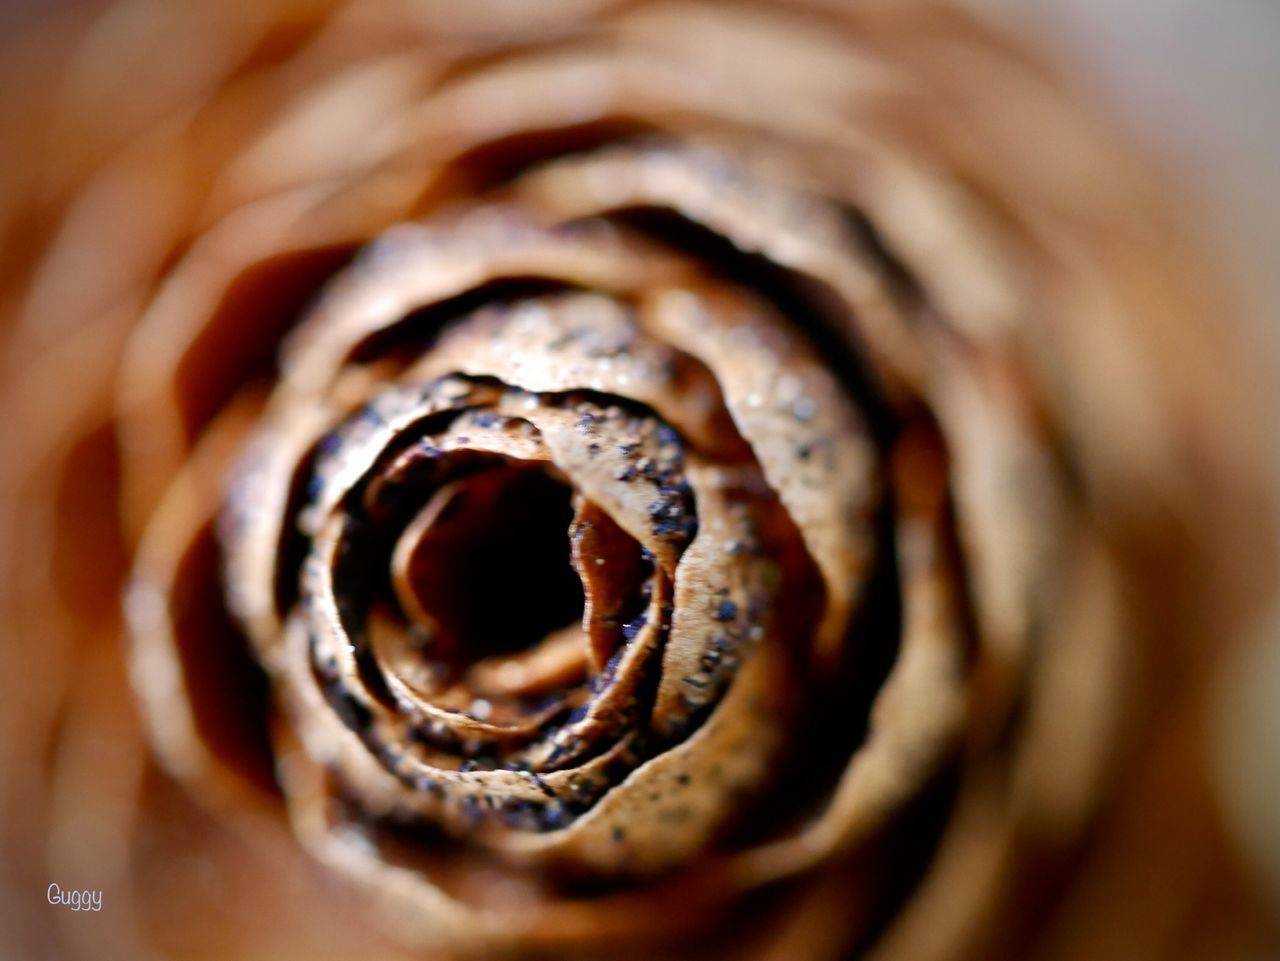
[628, 480]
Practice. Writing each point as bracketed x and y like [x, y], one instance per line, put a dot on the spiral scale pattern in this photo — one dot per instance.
[609, 479]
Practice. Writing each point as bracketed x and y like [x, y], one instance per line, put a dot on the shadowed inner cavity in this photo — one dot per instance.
[485, 566]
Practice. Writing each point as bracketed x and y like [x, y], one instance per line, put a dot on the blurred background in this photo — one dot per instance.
[1195, 84]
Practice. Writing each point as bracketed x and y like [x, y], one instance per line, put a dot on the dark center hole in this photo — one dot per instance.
[488, 561]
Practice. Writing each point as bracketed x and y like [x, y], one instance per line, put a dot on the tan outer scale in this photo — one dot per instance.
[1101, 521]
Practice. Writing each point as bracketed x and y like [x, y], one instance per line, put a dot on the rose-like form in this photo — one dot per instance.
[613, 480]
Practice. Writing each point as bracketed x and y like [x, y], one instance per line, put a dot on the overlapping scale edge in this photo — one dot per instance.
[409, 268]
[695, 427]
[1017, 534]
[571, 380]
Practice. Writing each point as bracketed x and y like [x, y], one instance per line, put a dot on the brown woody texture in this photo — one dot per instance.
[606, 480]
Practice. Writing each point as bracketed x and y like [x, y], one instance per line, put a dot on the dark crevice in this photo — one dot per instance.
[496, 163]
[493, 569]
[816, 311]
[414, 334]
[836, 724]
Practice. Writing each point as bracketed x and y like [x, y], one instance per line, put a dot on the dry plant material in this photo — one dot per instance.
[641, 480]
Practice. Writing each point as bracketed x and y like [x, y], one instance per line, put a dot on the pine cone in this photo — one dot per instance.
[610, 480]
